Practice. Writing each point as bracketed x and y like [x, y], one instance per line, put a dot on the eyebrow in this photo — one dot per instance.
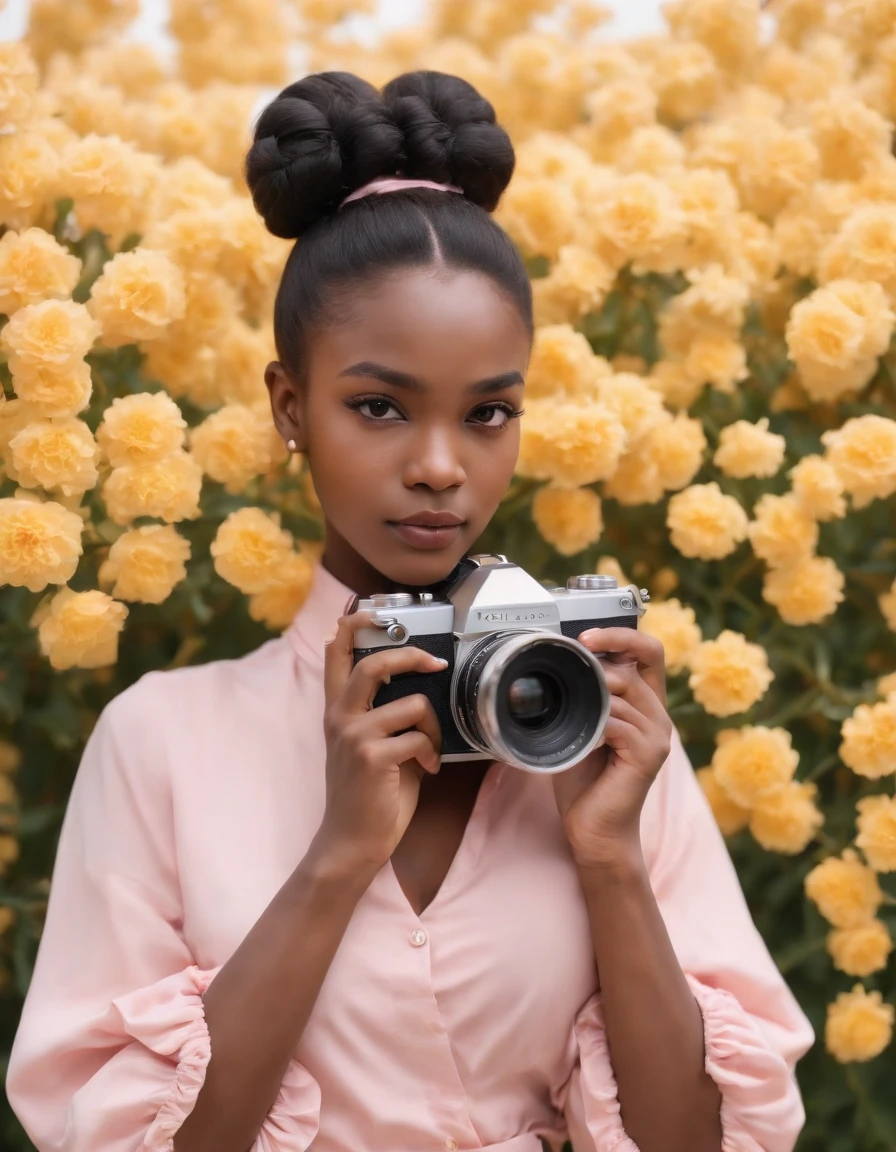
[410, 383]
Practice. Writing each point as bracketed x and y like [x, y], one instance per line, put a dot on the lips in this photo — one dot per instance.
[432, 520]
[428, 531]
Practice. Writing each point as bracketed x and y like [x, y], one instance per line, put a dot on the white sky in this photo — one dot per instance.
[633, 17]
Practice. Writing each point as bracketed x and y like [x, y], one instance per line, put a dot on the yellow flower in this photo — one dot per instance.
[818, 488]
[638, 406]
[110, 182]
[81, 629]
[870, 303]
[34, 267]
[747, 449]
[860, 951]
[540, 215]
[845, 890]
[676, 627]
[636, 479]
[685, 78]
[729, 30]
[233, 446]
[676, 449]
[63, 393]
[570, 444]
[729, 816]
[563, 364]
[243, 353]
[864, 248]
[729, 674]
[568, 518]
[186, 368]
[859, 1026]
[849, 135]
[869, 740]
[876, 823]
[52, 336]
[146, 563]
[46, 343]
[782, 532]
[636, 219]
[716, 358]
[887, 603]
[280, 600]
[805, 592]
[7, 919]
[886, 685]
[678, 388]
[18, 83]
[57, 453]
[705, 523]
[754, 762]
[29, 175]
[137, 296]
[166, 489]
[250, 550]
[40, 544]
[863, 454]
[825, 338]
[787, 819]
[141, 428]
[576, 284]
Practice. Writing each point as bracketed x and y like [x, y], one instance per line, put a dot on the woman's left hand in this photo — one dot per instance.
[600, 799]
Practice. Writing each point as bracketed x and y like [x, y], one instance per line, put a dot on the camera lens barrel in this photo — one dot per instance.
[537, 700]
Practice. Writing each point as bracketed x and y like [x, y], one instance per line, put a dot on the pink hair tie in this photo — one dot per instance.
[395, 184]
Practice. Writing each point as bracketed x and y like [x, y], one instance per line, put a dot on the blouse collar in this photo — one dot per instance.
[326, 601]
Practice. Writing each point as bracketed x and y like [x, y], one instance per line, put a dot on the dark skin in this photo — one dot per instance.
[442, 436]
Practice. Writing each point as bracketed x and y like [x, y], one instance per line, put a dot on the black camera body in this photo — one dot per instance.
[519, 687]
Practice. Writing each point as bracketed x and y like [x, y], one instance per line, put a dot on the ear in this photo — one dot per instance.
[286, 404]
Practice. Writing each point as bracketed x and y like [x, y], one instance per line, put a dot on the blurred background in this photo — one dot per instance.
[630, 18]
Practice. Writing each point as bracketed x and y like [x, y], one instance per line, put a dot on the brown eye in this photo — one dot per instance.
[377, 408]
[494, 415]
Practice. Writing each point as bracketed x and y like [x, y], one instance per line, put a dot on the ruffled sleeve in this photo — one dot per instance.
[112, 1047]
[754, 1031]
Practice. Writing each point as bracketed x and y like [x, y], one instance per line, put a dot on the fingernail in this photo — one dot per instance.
[439, 661]
[329, 639]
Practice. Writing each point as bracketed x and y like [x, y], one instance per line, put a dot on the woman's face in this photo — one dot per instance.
[408, 419]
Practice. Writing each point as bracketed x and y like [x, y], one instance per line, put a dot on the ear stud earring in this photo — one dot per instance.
[292, 446]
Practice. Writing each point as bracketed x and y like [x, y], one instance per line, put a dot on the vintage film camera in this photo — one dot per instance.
[519, 687]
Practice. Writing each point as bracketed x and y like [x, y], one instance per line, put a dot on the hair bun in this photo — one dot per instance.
[319, 140]
[451, 135]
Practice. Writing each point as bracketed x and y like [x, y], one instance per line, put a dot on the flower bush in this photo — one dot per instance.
[709, 218]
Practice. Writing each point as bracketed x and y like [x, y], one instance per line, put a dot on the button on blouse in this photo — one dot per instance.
[476, 1025]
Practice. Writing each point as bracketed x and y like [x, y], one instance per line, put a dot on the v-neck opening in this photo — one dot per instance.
[470, 842]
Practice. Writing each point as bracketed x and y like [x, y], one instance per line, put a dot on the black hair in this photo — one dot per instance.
[330, 133]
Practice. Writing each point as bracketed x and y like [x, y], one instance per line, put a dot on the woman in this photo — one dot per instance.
[275, 923]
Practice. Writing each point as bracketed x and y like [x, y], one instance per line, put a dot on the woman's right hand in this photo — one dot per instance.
[376, 757]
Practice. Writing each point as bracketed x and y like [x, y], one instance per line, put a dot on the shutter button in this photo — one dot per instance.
[418, 937]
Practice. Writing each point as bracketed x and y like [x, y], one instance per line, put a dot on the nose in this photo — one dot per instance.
[434, 461]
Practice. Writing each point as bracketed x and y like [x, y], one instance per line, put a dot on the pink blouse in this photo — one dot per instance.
[475, 1025]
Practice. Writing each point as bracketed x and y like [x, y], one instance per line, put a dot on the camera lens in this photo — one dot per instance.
[533, 701]
[537, 700]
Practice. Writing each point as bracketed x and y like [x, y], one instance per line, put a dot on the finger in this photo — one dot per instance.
[627, 681]
[373, 671]
[339, 654]
[412, 745]
[628, 645]
[624, 737]
[414, 711]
